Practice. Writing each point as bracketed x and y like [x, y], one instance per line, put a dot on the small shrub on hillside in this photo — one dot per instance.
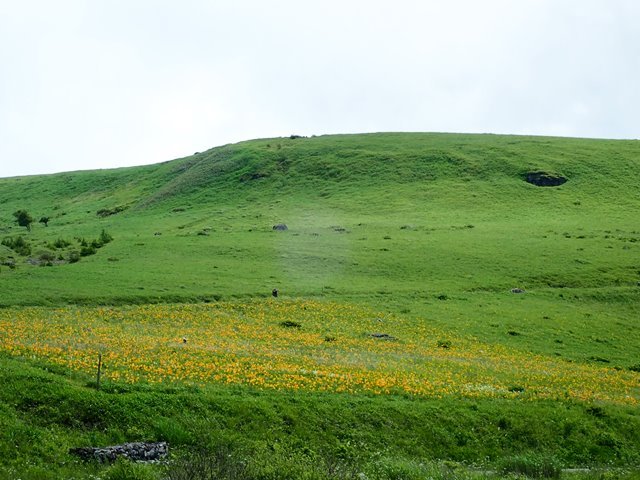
[105, 212]
[18, 245]
[105, 237]
[85, 251]
[23, 219]
[635, 368]
[530, 465]
[47, 258]
[61, 243]
[74, 256]
[596, 411]
[444, 344]
[8, 262]
[290, 324]
[504, 423]
[91, 248]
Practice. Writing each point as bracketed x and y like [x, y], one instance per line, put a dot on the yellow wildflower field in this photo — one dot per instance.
[297, 345]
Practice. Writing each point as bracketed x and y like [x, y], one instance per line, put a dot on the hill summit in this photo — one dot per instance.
[401, 213]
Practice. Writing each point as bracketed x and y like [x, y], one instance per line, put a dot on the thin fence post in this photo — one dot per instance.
[99, 371]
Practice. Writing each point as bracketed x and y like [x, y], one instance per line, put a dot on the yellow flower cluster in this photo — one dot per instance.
[336, 347]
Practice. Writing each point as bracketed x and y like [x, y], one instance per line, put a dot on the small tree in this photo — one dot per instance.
[23, 219]
[104, 237]
[44, 220]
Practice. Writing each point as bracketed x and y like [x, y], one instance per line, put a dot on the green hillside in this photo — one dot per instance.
[434, 230]
[459, 216]
[397, 220]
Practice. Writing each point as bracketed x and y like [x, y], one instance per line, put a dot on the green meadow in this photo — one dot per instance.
[436, 240]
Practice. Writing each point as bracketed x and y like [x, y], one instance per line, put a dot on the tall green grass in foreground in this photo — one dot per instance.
[436, 229]
[47, 410]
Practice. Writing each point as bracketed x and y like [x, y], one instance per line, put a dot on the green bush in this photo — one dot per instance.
[18, 245]
[106, 212]
[85, 251]
[47, 258]
[61, 243]
[23, 219]
[91, 248]
[104, 237]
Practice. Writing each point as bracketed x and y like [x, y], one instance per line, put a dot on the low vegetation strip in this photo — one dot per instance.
[335, 347]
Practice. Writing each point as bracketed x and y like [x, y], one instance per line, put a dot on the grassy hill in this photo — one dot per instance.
[435, 229]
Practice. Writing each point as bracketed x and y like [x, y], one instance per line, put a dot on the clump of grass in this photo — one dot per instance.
[202, 465]
[531, 465]
[290, 324]
[127, 470]
[596, 411]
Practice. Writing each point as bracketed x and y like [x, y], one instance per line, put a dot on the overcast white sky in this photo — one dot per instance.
[90, 84]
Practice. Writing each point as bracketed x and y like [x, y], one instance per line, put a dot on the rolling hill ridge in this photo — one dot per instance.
[460, 202]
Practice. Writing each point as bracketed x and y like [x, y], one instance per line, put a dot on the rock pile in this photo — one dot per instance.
[139, 451]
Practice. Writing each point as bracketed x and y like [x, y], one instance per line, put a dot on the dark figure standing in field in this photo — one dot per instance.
[274, 292]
